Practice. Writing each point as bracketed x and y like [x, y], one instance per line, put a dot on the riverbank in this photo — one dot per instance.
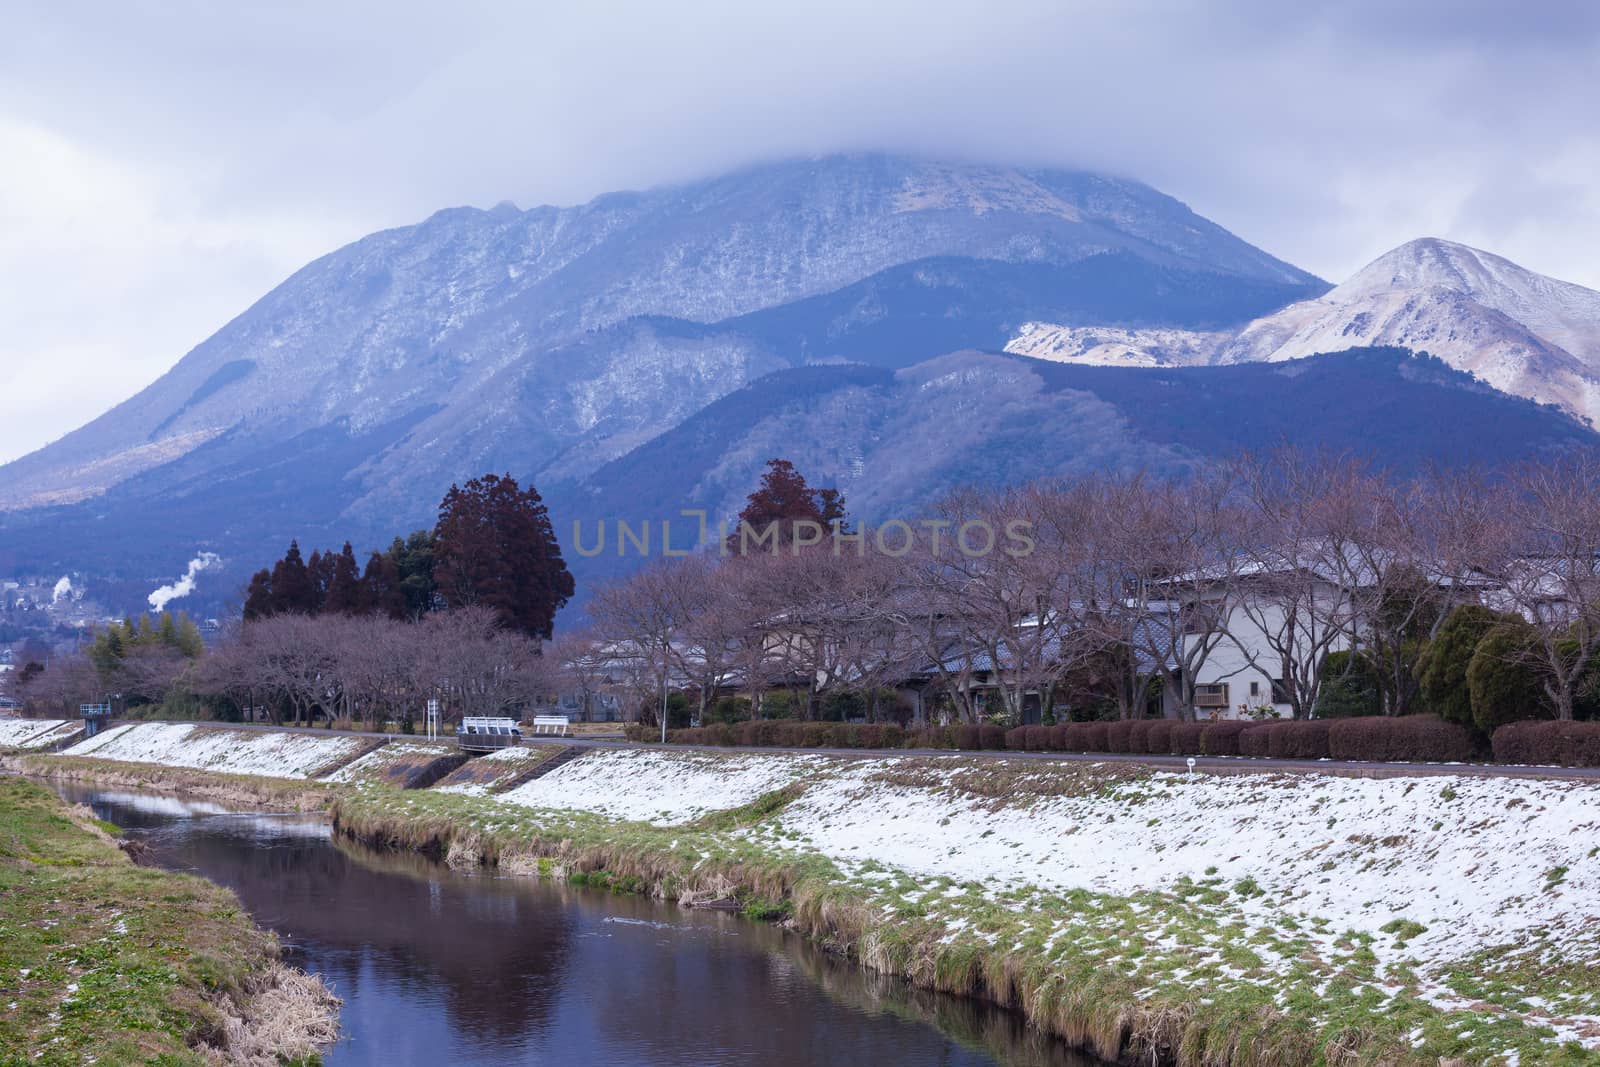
[1147, 917]
[1142, 914]
[102, 961]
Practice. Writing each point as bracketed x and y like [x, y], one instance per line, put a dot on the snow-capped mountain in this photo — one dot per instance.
[1115, 346]
[551, 340]
[658, 347]
[1521, 332]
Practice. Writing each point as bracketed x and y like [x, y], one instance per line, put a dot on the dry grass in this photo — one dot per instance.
[105, 962]
[229, 790]
[1079, 998]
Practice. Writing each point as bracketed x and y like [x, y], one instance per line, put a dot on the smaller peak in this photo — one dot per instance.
[1431, 262]
[505, 209]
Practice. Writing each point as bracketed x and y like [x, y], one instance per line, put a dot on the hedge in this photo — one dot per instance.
[1412, 738]
[1409, 739]
[1222, 738]
[1548, 743]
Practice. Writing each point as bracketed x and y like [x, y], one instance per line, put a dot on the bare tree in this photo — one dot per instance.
[1552, 573]
[643, 618]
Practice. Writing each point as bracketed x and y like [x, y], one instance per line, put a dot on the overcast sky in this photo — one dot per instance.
[163, 165]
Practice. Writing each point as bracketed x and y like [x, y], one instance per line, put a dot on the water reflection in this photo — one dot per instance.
[437, 967]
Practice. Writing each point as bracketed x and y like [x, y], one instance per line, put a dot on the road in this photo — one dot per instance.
[1202, 764]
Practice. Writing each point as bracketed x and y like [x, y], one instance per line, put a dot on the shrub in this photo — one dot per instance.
[1017, 738]
[991, 737]
[1086, 737]
[1253, 741]
[1442, 669]
[1502, 688]
[1057, 738]
[1549, 743]
[1119, 736]
[1297, 740]
[1184, 738]
[967, 737]
[1411, 738]
[1222, 738]
[1350, 687]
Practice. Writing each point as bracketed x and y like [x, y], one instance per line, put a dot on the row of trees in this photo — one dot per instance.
[1326, 574]
[493, 546]
[296, 668]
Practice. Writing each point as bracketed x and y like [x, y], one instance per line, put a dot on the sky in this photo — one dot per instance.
[164, 165]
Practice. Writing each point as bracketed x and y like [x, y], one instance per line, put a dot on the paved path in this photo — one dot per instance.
[1209, 764]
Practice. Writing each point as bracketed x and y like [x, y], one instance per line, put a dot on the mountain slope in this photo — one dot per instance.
[1521, 332]
[567, 335]
[894, 440]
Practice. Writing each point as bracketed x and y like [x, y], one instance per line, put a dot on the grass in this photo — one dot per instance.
[1215, 972]
[1177, 976]
[238, 790]
[105, 962]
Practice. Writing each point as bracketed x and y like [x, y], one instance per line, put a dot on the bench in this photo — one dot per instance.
[553, 724]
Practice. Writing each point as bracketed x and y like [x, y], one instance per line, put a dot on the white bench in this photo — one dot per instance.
[552, 724]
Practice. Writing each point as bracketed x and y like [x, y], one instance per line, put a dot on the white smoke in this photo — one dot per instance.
[63, 588]
[184, 586]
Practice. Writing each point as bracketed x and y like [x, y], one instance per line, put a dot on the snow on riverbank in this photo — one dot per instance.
[271, 754]
[28, 735]
[667, 788]
[480, 774]
[396, 763]
[1478, 861]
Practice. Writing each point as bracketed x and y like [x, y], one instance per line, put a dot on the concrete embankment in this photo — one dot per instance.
[1147, 915]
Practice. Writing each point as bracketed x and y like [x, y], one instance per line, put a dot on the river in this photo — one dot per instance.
[438, 967]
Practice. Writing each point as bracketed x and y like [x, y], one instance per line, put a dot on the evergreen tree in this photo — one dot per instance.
[258, 599]
[1442, 670]
[494, 545]
[381, 593]
[291, 584]
[782, 500]
[344, 583]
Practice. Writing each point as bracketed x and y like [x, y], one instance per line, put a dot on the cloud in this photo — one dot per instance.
[169, 164]
[205, 561]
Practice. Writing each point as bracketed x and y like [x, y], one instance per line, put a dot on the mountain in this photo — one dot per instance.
[552, 341]
[1521, 332]
[894, 440]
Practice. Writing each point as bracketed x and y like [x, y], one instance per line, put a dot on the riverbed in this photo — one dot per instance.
[436, 967]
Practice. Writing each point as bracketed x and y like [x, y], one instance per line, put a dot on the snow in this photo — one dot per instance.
[1477, 862]
[372, 765]
[667, 788]
[269, 753]
[1521, 332]
[491, 768]
[34, 733]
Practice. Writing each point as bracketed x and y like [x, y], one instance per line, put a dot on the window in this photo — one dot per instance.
[1255, 689]
[1211, 696]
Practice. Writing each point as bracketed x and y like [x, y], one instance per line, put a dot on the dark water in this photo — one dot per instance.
[442, 968]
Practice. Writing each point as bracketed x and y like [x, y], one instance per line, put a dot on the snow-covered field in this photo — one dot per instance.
[268, 753]
[667, 788]
[32, 734]
[1459, 864]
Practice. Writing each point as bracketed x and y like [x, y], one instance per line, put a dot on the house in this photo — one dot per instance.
[1263, 631]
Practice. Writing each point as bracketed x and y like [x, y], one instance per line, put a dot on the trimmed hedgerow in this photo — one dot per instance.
[1298, 740]
[1409, 738]
[1222, 738]
[1184, 738]
[1549, 743]
[1087, 737]
[1412, 738]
